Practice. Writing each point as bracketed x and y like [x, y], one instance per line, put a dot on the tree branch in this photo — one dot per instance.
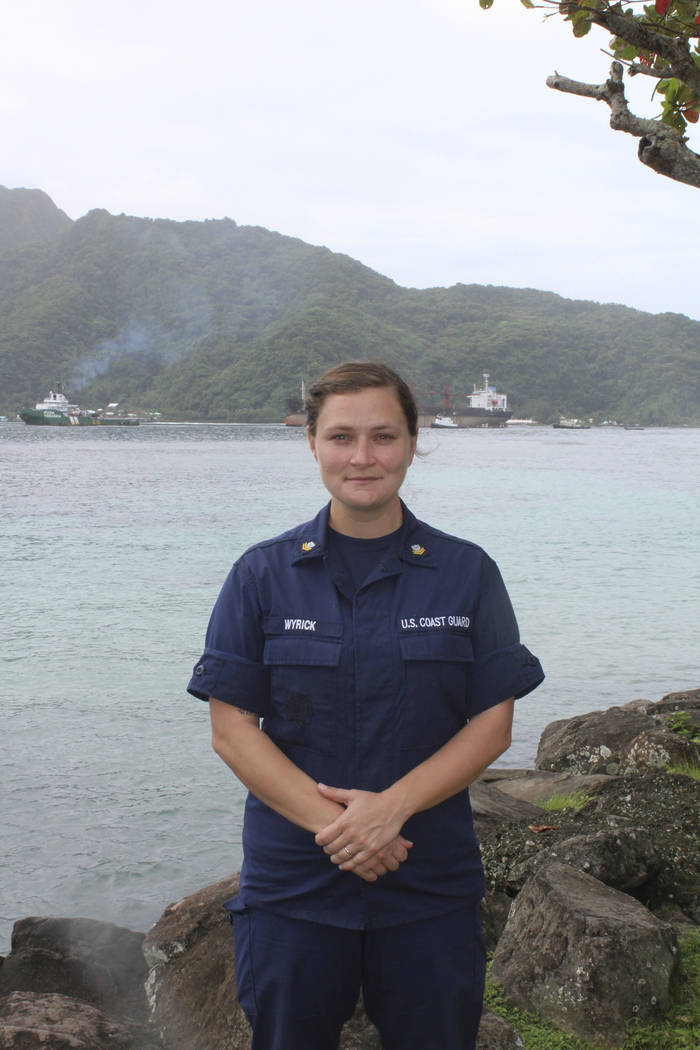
[675, 49]
[661, 147]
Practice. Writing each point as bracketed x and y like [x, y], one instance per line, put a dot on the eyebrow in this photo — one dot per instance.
[353, 426]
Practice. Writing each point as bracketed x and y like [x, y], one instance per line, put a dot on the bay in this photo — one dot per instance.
[113, 546]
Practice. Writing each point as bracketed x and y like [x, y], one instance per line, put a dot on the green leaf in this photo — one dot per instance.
[527, 3]
[627, 54]
[485, 4]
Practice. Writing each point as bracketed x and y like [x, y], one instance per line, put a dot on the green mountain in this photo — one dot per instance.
[211, 320]
[28, 217]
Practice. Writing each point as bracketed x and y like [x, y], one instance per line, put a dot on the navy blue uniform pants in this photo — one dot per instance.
[422, 982]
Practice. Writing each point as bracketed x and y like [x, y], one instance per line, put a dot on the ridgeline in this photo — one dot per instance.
[220, 322]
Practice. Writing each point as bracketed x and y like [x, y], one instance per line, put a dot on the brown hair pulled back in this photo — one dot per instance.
[352, 376]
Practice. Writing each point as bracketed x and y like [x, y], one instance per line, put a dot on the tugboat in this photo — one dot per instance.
[446, 422]
[57, 411]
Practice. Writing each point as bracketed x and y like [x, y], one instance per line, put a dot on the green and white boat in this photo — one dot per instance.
[57, 411]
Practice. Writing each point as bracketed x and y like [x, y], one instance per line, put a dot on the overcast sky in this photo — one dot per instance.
[417, 137]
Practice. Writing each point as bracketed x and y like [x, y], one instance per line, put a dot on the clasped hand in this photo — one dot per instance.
[365, 839]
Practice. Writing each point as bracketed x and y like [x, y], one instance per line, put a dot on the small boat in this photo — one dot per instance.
[57, 411]
[571, 424]
[444, 423]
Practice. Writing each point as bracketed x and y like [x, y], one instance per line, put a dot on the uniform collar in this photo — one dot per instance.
[412, 548]
[310, 539]
[416, 547]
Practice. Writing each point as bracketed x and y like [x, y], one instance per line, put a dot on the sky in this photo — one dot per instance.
[417, 137]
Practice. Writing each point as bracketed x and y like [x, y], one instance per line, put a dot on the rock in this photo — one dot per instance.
[642, 706]
[624, 858]
[82, 959]
[536, 786]
[97, 962]
[585, 956]
[492, 807]
[497, 1034]
[32, 1021]
[494, 915]
[191, 984]
[657, 749]
[666, 805]
[683, 700]
[591, 743]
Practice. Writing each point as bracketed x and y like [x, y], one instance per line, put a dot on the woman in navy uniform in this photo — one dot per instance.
[383, 658]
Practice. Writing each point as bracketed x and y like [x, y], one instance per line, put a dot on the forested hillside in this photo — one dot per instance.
[211, 320]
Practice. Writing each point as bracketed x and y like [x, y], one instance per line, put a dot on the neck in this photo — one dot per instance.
[365, 525]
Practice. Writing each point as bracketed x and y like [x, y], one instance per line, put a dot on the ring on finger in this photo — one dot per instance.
[347, 851]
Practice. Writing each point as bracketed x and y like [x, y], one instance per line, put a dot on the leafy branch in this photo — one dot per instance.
[659, 40]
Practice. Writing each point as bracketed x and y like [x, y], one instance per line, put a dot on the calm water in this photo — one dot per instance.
[114, 543]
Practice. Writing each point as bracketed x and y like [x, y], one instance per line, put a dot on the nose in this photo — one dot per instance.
[362, 452]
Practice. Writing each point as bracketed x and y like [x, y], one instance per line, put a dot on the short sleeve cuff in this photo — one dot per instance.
[500, 675]
[231, 679]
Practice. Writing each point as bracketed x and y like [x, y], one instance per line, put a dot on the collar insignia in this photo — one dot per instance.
[417, 550]
[308, 545]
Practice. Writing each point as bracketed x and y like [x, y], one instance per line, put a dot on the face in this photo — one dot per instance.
[363, 448]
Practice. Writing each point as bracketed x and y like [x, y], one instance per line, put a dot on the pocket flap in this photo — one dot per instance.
[437, 645]
[301, 650]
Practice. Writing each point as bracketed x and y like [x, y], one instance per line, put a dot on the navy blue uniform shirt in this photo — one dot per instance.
[357, 688]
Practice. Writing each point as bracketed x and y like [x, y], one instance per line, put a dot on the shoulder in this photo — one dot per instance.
[282, 546]
[445, 542]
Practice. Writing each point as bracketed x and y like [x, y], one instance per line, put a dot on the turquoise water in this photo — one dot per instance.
[113, 545]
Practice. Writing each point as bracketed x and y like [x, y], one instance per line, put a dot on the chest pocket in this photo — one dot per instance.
[435, 666]
[304, 681]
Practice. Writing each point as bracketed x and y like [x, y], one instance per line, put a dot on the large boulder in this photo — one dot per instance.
[624, 858]
[591, 743]
[658, 748]
[191, 984]
[585, 956]
[97, 963]
[34, 1021]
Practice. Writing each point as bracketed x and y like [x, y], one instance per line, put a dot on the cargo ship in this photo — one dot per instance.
[485, 408]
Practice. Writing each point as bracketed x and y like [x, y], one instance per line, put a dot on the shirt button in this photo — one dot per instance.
[199, 670]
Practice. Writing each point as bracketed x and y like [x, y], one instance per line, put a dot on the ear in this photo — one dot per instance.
[414, 442]
[312, 443]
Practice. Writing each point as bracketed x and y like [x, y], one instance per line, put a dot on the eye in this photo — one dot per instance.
[385, 437]
[339, 437]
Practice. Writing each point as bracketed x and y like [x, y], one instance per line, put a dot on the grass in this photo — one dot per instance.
[686, 769]
[682, 725]
[680, 1029]
[573, 800]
